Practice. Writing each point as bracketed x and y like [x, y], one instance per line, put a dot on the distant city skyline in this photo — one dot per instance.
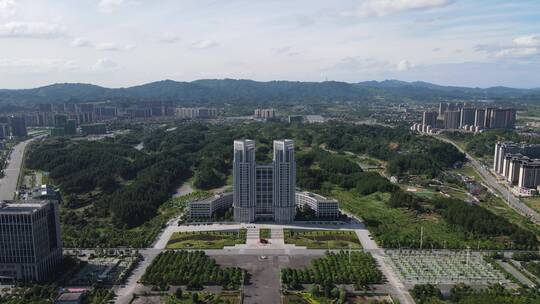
[120, 43]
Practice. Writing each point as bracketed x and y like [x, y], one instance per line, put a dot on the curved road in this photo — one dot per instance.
[8, 184]
[495, 186]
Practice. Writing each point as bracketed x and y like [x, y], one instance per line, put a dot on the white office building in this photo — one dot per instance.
[205, 208]
[264, 192]
[323, 207]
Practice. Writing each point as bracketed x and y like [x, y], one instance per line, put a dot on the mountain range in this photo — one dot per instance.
[242, 91]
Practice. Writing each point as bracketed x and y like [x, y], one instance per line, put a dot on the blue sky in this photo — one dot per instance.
[119, 43]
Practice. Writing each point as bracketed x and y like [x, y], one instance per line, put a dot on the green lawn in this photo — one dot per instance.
[533, 202]
[265, 233]
[206, 239]
[322, 239]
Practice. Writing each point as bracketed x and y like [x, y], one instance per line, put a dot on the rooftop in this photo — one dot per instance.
[21, 207]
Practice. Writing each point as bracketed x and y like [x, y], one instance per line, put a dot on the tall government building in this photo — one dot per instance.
[264, 192]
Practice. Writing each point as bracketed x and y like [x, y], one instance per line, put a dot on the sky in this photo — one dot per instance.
[120, 43]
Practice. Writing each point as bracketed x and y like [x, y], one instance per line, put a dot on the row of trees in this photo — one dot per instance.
[464, 294]
[191, 268]
[355, 267]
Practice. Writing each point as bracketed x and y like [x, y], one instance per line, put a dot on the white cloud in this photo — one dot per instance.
[82, 42]
[104, 46]
[41, 30]
[105, 64]
[7, 8]
[404, 65]
[110, 6]
[530, 40]
[204, 44]
[168, 37]
[378, 8]
[37, 65]
[517, 52]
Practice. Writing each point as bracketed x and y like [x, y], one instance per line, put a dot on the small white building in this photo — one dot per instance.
[323, 207]
[205, 208]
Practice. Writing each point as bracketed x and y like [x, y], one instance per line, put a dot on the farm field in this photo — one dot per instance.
[206, 239]
[322, 239]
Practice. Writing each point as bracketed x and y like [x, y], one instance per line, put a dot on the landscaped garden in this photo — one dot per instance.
[322, 239]
[265, 233]
[206, 239]
[192, 269]
[353, 267]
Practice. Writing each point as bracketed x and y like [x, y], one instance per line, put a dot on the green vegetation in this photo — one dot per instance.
[322, 239]
[265, 233]
[355, 267]
[202, 298]
[482, 144]
[206, 239]
[463, 294]
[192, 269]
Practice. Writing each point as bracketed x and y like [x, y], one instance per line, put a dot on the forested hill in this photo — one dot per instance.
[246, 91]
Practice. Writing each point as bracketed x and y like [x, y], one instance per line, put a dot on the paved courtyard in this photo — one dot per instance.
[264, 283]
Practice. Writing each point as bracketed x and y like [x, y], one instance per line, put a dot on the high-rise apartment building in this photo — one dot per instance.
[452, 119]
[18, 126]
[479, 118]
[429, 118]
[467, 117]
[519, 164]
[264, 191]
[30, 245]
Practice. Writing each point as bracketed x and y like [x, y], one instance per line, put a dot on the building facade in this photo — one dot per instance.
[518, 163]
[207, 207]
[264, 192]
[30, 245]
[429, 118]
[323, 207]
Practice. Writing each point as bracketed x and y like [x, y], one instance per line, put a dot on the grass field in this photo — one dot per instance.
[322, 239]
[265, 233]
[206, 239]
[533, 202]
[395, 227]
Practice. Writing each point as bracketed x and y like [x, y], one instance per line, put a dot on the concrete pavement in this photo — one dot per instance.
[500, 190]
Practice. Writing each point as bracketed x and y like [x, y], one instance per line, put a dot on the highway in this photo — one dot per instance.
[496, 187]
[8, 184]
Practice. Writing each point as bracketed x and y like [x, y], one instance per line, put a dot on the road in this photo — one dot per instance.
[496, 187]
[8, 184]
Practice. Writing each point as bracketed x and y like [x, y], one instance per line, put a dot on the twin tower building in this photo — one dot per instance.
[264, 192]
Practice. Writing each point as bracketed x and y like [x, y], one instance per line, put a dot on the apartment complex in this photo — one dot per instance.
[196, 113]
[207, 207]
[518, 163]
[323, 207]
[476, 118]
[264, 191]
[429, 118]
[30, 245]
[264, 113]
